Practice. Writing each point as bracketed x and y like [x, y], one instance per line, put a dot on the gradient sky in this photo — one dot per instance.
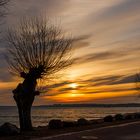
[106, 52]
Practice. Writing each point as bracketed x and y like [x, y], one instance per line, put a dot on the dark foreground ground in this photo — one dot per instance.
[129, 131]
[123, 130]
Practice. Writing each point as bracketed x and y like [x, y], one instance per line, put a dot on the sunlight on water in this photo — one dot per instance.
[41, 116]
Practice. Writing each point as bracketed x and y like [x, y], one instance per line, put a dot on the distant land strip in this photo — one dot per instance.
[84, 105]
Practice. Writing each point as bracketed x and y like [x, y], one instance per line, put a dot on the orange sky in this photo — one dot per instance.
[106, 51]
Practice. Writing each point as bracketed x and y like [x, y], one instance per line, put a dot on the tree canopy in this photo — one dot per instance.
[36, 46]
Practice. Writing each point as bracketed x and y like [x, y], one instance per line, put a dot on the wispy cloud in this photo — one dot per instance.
[106, 48]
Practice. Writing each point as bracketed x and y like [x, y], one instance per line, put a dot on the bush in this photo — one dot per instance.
[82, 121]
[118, 117]
[108, 118]
[55, 124]
[69, 124]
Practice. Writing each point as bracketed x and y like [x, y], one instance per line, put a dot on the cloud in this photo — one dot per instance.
[6, 97]
[112, 80]
[116, 13]
[58, 85]
[125, 79]
[116, 22]
[100, 56]
[116, 83]
[34, 7]
[106, 44]
[122, 9]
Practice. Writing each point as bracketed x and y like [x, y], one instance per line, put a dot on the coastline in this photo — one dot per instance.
[45, 131]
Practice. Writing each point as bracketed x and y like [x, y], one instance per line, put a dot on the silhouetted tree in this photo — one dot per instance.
[36, 50]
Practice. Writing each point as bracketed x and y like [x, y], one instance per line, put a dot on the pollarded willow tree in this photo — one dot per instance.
[36, 49]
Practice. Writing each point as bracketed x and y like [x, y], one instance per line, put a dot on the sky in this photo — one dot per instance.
[106, 52]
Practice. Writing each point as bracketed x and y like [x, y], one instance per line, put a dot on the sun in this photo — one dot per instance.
[73, 85]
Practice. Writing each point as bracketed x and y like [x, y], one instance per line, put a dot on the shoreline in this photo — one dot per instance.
[45, 131]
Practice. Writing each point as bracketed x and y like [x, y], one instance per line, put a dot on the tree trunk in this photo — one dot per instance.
[24, 96]
[24, 105]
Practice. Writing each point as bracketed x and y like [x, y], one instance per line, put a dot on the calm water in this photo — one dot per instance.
[41, 116]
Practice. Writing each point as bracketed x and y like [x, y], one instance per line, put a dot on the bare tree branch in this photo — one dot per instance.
[38, 47]
[3, 4]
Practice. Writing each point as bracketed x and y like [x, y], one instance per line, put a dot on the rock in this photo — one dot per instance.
[82, 121]
[55, 124]
[128, 116]
[118, 117]
[137, 115]
[96, 121]
[108, 118]
[69, 123]
[8, 129]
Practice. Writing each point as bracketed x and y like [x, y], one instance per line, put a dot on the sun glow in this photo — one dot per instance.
[73, 85]
[76, 95]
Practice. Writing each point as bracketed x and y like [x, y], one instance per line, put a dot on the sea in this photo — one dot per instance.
[42, 115]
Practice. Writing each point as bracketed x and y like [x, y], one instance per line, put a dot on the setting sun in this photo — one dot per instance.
[73, 85]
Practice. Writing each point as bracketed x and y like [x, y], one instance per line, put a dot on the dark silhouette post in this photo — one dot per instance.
[36, 50]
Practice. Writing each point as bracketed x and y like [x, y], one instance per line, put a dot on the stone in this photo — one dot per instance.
[82, 121]
[55, 124]
[108, 118]
[119, 117]
[8, 129]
